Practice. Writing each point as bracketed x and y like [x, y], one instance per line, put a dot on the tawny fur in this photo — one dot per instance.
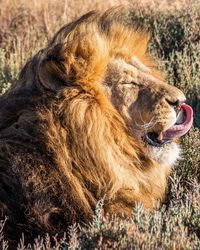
[63, 144]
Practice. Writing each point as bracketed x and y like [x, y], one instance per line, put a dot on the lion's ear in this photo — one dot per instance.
[51, 76]
[52, 70]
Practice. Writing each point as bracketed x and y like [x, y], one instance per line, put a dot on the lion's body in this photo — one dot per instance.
[63, 144]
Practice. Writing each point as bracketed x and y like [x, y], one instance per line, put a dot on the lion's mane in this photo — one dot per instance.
[63, 146]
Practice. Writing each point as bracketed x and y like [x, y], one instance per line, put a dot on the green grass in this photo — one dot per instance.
[176, 225]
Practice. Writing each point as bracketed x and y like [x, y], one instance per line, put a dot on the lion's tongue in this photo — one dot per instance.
[179, 130]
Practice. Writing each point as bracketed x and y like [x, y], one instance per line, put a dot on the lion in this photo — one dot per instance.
[90, 116]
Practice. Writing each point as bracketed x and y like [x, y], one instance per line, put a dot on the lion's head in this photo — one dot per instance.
[91, 116]
[153, 109]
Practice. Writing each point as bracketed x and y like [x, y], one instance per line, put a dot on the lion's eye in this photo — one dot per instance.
[131, 84]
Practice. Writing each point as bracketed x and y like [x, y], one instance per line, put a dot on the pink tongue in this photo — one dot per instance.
[181, 129]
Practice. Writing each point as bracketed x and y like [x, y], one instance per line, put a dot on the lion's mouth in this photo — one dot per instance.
[181, 127]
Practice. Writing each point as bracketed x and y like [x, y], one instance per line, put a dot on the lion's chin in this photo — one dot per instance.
[167, 155]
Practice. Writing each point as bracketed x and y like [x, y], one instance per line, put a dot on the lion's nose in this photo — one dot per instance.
[176, 98]
[175, 104]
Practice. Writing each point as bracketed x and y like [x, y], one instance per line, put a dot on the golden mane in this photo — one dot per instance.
[73, 147]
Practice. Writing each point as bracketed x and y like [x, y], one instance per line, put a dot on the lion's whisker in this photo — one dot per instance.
[145, 125]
